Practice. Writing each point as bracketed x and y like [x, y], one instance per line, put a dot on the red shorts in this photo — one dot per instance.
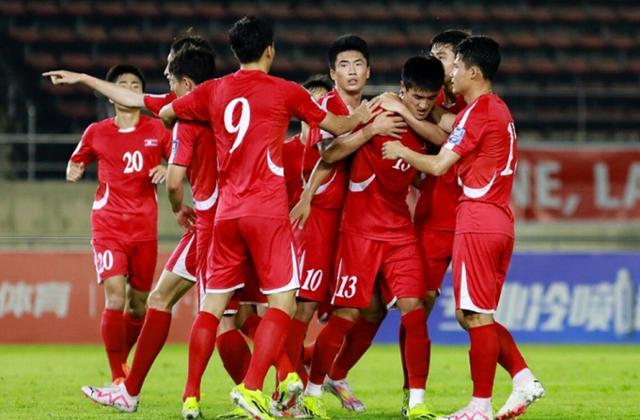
[264, 243]
[317, 244]
[183, 259]
[136, 260]
[204, 246]
[361, 259]
[480, 264]
[436, 247]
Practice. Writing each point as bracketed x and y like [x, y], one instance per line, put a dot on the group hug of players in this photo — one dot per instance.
[280, 230]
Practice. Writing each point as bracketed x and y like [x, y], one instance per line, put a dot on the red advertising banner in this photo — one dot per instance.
[49, 297]
[577, 183]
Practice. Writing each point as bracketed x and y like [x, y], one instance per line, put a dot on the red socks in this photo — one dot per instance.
[234, 353]
[267, 345]
[250, 326]
[152, 338]
[113, 337]
[201, 344]
[327, 346]
[510, 357]
[295, 342]
[416, 348]
[355, 345]
[132, 327]
[483, 358]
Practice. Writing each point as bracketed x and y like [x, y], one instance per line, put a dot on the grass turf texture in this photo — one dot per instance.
[581, 382]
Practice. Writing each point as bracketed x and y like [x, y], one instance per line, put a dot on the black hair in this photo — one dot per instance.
[318, 81]
[424, 73]
[480, 51]
[348, 42]
[190, 40]
[120, 69]
[197, 64]
[249, 37]
[451, 37]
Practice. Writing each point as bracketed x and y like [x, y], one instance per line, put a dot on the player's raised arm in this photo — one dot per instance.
[443, 119]
[339, 124]
[118, 94]
[434, 165]
[425, 129]
[384, 124]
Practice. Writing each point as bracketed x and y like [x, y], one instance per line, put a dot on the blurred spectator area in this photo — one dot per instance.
[570, 69]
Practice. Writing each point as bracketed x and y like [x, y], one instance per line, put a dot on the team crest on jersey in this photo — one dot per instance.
[456, 135]
[150, 142]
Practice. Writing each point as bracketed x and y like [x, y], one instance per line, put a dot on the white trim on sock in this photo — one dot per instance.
[315, 390]
[523, 377]
[416, 396]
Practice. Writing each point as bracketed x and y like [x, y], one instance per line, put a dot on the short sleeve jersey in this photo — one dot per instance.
[331, 194]
[436, 207]
[125, 203]
[293, 152]
[485, 138]
[376, 206]
[249, 112]
[155, 102]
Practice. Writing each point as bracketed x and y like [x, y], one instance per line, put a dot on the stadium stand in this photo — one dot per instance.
[570, 68]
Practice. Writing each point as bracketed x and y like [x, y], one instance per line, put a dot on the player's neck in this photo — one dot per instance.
[127, 119]
[477, 90]
[352, 100]
[449, 96]
[256, 65]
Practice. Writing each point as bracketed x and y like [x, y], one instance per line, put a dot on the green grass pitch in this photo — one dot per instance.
[591, 382]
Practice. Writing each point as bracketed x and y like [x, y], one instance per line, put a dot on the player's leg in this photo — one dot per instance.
[355, 345]
[247, 319]
[141, 258]
[232, 347]
[112, 323]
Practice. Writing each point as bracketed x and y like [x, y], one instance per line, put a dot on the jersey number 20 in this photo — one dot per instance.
[133, 162]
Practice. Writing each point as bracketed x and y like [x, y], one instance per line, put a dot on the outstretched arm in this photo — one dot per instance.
[434, 165]
[112, 91]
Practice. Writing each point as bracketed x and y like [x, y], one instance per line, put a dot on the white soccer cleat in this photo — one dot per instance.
[521, 397]
[342, 390]
[112, 396]
[470, 412]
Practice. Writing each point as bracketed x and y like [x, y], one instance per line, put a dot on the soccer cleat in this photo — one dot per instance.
[255, 403]
[288, 391]
[342, 390]
[404, 410]
[470, 412]
[313, 407]
[236, 413]
[112, 396]
[191, 408]
[421, 412]
[520, 398]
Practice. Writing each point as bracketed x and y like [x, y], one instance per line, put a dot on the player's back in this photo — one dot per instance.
[376, 202]
[251, 111]
[485, 138]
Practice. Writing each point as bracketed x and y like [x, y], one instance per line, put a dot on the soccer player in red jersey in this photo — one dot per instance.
[252, 225]
[320, 208]
[483, 145]
[378, 237]
[129, 149]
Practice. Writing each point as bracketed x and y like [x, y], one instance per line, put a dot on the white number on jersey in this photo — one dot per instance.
[511, 128]
[243, 124]
[313, 280]
[134, 162]
[401, 165]
[104, 261]
[347, 287]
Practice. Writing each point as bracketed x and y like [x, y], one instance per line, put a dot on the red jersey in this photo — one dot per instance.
[293, 152]
[376, 206]
[154, 103]
[125, 204]
[193, 146]
[436, 207]
[249, 127]
[331, 194]
[485, 138]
